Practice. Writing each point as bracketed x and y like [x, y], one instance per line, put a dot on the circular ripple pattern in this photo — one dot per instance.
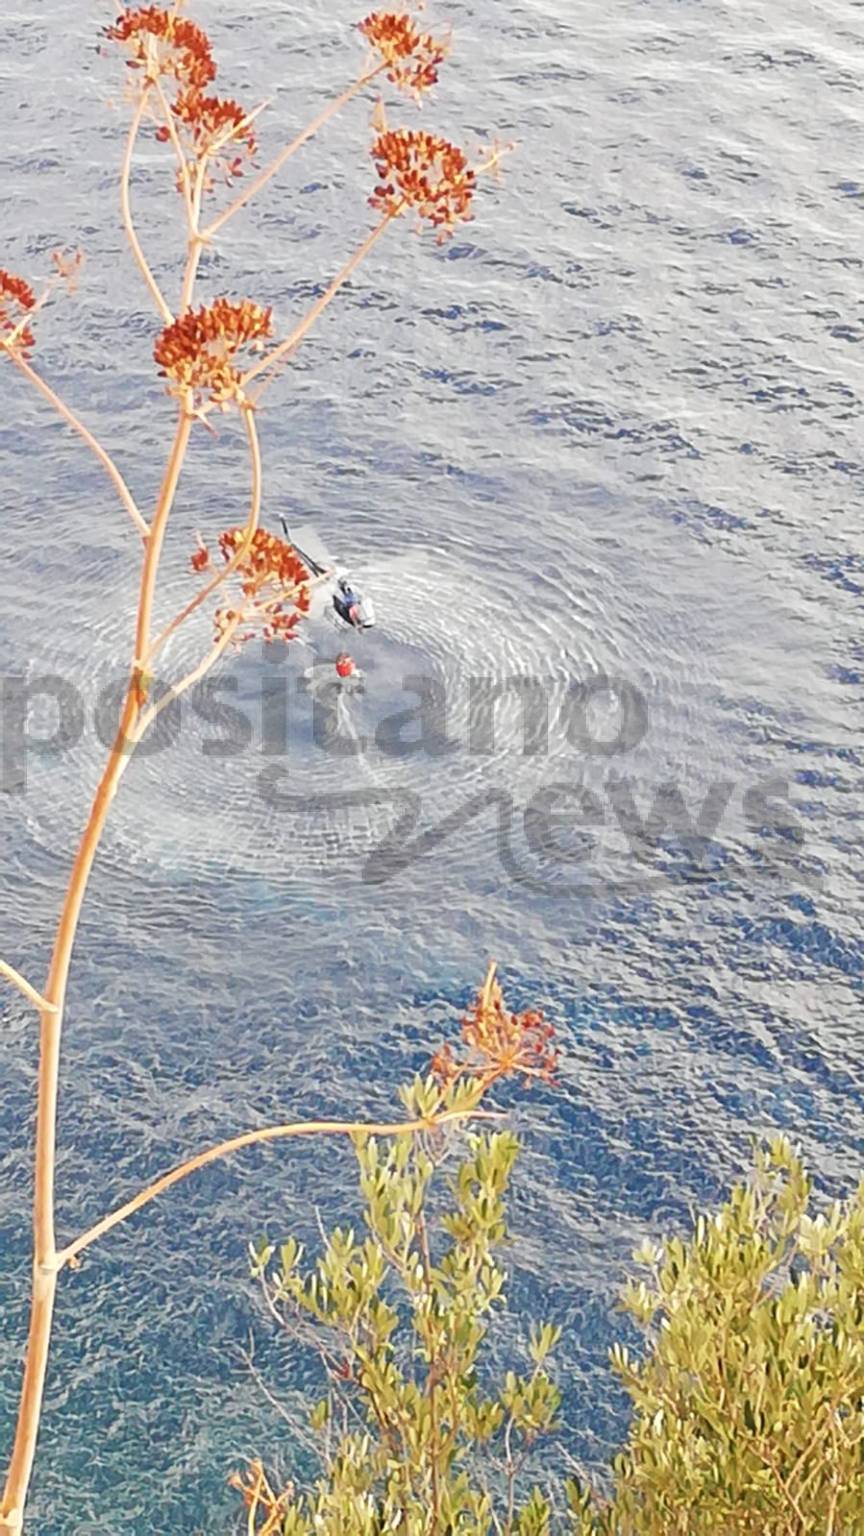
[483, 696]
[613, 428]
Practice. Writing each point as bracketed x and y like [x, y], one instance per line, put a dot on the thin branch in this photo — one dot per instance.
[242, 550]
[254, 1138]
[167, 492]
[297, 1329]
[196, 239]
[493, 159]
[170, 124]
[125, 207]
[499, 1529]
[768, 1460]
[270, 171]
[176, 690]
[838, 1482]
[511, 1477]
[24, 986]
[431, 1382]
[95, 447]
[14, 337]
[252, 1519]
[292, 342]
[263, 1387]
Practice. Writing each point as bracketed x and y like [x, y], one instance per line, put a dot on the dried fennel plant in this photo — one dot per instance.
[220, 354]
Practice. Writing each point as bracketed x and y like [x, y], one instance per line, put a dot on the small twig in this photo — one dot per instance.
[836, 1490]
[254, 1138]
[178, 150]
[511, 1476]
[431, 1383]
[24, 986]
[252, 1517]
[242, 550]
[13, 338]
[280, 1321]
[253, 610]
[261, 1383]
[270, 171]
[234, 130]
[768, 1460]
[176, 690]
[292, 342]
[499, 1529]
[494, 159]
[297, 1329]
[320, 1225]
[126, 209]
[244, 616]
[95, 447]
[196, 239]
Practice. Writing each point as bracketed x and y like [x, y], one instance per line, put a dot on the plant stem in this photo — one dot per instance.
[145, 721]
[95, 447]
[45, 1265]
[126, 209]
[292, 342]
[196, 239]
[45, 1259]
[248, 534]
[170, 124]
[150, 569]
[253, 1138]
[245, 616]
[431, 1383]
[511, 1477]
[176, 690]
[270, 171]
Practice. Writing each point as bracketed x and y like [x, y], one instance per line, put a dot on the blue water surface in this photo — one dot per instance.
[607, 441]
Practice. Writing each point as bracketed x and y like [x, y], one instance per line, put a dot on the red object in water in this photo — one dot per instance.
[345, 665]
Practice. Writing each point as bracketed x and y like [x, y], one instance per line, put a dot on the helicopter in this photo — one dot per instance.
[351, 607]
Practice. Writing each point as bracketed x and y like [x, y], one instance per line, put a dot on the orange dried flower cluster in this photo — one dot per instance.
[211, 121]
[16, 301]
[261, 1499]
[499, 1043]
[421, 171]
[413, 57]
[273, 582]
[170, 44]
[198, 350]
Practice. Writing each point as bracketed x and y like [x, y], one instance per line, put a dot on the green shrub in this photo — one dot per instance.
[749, 1406]
[411, 1441]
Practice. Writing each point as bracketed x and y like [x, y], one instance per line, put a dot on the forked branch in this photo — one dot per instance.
[240, 553]
[24, 987]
